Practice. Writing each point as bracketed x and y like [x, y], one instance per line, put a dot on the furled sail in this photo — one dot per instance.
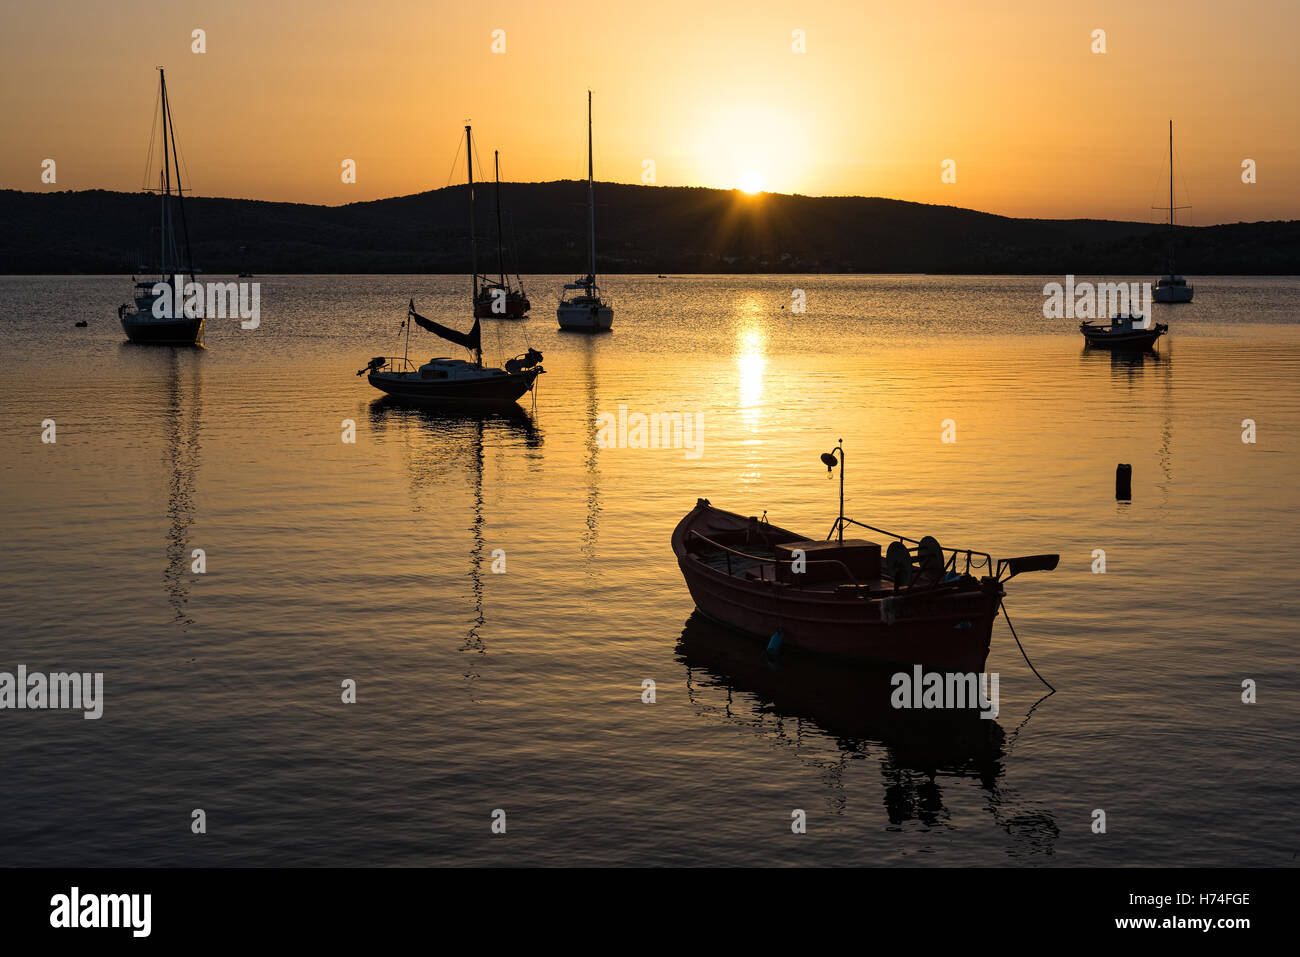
[470, 340]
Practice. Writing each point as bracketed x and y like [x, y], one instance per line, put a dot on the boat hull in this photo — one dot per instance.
[947, 629]
[516, 307]
[1136, 339]
[485, 392]
[1171, 294]
[163, 332]
[585, 318]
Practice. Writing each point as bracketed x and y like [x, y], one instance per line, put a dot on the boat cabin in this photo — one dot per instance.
[853, 559]
[443, 368]
[1127, 322]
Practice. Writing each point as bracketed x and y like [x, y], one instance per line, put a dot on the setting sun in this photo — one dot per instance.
[751, 182]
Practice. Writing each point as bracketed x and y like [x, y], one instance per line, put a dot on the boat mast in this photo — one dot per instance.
[180, 197]
[162, 224]
[501, 261]
[473, 249]
[591, 204]
[166, 177]
[1171, 197]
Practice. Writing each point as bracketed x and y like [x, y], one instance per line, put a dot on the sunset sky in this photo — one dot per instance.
[1037, 124]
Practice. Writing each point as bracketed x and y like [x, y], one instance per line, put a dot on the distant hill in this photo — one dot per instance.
[639, 229]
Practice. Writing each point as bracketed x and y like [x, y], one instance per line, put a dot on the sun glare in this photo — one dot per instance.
[751, 182]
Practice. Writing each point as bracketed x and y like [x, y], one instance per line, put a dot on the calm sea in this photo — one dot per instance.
[522, 689]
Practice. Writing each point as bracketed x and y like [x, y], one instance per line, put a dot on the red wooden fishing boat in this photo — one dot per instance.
[922, 604]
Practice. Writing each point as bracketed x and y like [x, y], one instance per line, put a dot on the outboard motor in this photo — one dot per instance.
[523, 363]
[374, 365]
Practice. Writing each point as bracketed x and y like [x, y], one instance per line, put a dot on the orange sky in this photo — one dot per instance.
[1037, 124]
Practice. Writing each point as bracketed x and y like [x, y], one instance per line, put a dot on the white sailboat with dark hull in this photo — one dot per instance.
[157, 315]
[587, 311]
[1173, 287]
[453, 382]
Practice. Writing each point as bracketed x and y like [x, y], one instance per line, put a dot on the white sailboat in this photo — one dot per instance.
[586, 311]
[1173, 287]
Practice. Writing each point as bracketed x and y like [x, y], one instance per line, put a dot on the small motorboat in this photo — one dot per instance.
[835, 597]
[1126, 331]
[457, 382]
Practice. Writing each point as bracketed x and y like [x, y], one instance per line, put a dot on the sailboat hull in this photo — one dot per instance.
[162, 332]
[583, 318]
[480, 392]
[1170, 294]
[516, 307]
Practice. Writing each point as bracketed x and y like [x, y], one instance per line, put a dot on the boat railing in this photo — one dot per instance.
[397, 364]
[762, 560]
[974, 559]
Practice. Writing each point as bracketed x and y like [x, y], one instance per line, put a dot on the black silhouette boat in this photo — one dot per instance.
[443, 381]
[1124, 332]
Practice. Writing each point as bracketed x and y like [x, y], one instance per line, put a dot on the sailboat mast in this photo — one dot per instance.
[180, 197]
[1171, 197]
[501, 260]
[473, 249]
[162, 223]
[591, 202]
[166, 176]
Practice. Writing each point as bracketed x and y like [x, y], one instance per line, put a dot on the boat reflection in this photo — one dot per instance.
[591, 460]
[809, 703]
[441, 440]
[1127, 368]
[1128, 362]
[847, 702]
[452, 436]
[175, 373]
[183, 420]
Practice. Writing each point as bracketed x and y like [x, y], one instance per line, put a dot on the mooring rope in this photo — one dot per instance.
[1003, 606]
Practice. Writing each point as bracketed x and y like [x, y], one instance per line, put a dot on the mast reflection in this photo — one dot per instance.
[439, 441]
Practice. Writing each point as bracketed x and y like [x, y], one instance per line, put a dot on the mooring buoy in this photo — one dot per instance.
[1123, 482]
